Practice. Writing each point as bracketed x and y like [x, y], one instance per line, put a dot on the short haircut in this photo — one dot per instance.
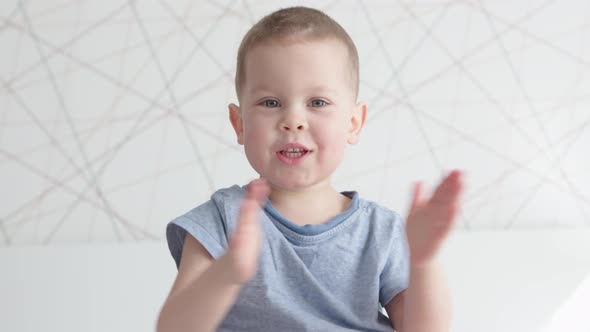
[295, 23]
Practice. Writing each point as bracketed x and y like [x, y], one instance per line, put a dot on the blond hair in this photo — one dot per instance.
[295, 23]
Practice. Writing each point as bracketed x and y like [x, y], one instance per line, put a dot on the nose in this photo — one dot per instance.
[293, 120]
[297, 127]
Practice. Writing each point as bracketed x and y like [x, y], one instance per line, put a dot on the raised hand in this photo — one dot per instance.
[241, 259]
[430, 220]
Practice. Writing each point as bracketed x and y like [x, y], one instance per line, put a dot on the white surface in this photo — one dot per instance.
[514, 281]
[107, 287]
[501, 281]
[572, 316]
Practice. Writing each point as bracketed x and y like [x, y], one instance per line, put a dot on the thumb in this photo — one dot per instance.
[416, 195]
[256, 193]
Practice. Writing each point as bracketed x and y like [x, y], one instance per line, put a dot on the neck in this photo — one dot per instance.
[310, 205]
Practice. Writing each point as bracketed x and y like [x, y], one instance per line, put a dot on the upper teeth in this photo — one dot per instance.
[295, 150]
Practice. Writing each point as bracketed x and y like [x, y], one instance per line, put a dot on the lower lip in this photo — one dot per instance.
[292, 161]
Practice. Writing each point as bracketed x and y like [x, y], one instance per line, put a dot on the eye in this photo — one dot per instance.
[318, 103]
[271, 103]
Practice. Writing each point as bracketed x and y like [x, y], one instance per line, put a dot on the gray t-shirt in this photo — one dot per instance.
[330, 277]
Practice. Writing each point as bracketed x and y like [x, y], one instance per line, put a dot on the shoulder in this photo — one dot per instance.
[219, 209]
[220, 200]
[384, 223]
[379, 213]
[210, 223]
[229, 193]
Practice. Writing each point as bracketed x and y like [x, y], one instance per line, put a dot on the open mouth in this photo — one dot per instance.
[294, 152]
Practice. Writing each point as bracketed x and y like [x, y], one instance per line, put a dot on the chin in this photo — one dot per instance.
[287, 184]
[291, 179]
[293, 184]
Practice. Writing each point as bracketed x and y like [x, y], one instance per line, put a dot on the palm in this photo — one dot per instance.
[430, 220]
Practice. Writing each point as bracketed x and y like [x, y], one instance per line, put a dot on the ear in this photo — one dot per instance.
[235, 117]
[357, 121]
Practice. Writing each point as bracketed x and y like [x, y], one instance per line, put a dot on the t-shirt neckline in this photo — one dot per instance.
[314, 229]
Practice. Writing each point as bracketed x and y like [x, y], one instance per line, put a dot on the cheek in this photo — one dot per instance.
[332, 144]
[257, 141]
[332, 134]
[252, 136]
[254, 143]
[255, 130]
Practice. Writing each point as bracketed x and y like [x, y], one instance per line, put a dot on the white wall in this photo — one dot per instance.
[113, 114]
[500, 281]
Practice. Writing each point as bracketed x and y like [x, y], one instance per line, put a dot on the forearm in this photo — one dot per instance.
[202, 305]
[428, 304]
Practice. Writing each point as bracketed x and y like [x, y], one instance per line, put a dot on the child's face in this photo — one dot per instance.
[299, 93]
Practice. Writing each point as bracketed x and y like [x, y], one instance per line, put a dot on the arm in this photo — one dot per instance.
[205, 289]
[425, 305]
[201, 294]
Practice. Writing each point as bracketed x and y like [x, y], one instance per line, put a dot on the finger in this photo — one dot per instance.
[416, 195]
[248, 228]
[258, 191]
[446, 215]
[449, 189]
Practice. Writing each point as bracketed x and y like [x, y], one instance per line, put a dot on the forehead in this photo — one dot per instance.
[318, 64]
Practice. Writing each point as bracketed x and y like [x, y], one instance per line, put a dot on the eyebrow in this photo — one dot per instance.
[326, 89]
[259, 88]
[318, 88]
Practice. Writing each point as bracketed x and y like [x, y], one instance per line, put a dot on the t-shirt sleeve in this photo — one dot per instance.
[205, 224]
[395, 276]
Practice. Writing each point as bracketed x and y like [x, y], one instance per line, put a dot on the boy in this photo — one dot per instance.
[315, 259]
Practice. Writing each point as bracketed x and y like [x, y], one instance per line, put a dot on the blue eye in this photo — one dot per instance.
[318, 103]
[271, 103]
